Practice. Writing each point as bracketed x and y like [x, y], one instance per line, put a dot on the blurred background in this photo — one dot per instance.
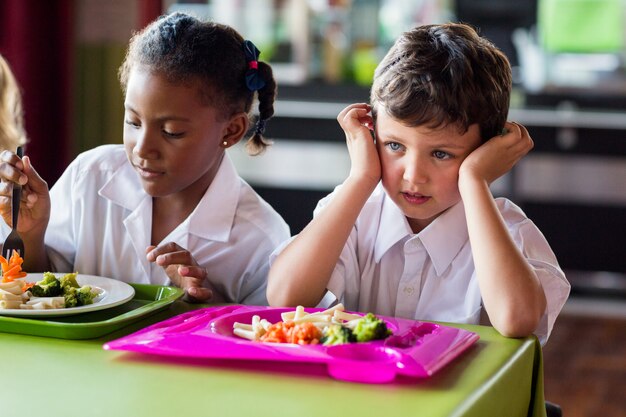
[568, 59]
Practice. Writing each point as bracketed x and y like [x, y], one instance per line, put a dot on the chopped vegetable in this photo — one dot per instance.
[69, 280]
[78, 296]
[49, 286]
[369, 328]
[289, 332]
[337, 335]
[12, 268]
[85, 295]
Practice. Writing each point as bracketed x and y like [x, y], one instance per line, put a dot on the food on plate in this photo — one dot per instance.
[80, 296]
[68, 281]
[49, 286]
[48, 293]
[329, 327]
[12, 267]
[370, 328]
[337, 334]
[305, 333]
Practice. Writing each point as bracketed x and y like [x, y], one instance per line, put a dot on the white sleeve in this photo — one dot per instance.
[542, 259]
[344, 280]
[60, 240]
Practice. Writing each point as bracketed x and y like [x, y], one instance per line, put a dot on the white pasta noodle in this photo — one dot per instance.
[10, 304]
[14, 287]
[45, 303]
[246, 334]
[242, 326]
[5, 295]
[343, 316]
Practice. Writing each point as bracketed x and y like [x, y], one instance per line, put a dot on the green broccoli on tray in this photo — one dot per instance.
[66, 287]
[49, 286]
[365, 329]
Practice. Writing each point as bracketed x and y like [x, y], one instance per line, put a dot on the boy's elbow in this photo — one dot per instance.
[278, 291]
[285, 291]
[513, 324]
[273, 294]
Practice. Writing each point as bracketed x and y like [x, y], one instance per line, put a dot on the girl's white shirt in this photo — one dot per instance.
[386, 269]
[101, 218]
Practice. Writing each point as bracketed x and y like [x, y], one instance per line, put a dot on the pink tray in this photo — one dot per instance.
[416, 349]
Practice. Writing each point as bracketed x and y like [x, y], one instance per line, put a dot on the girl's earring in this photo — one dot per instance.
[225, 143]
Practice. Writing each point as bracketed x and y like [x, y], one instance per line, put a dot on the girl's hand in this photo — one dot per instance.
[498, 155]
[358, 125]
[35, 202]
[183, 271]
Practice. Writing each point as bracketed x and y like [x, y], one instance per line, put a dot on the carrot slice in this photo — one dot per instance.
[12, 268]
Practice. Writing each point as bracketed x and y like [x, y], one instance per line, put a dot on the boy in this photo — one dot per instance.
[414, 230]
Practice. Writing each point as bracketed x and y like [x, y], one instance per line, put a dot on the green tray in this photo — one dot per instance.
[148, 300]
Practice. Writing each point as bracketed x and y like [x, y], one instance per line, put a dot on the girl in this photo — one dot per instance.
[167, 206]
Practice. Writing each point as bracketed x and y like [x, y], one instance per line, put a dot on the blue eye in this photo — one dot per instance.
[394, 146]
[441, 155]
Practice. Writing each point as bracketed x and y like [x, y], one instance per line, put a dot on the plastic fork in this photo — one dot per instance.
[14, 242]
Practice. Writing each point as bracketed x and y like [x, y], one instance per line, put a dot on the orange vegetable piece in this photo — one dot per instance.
[12, 268]
[288, 332]
[305, 334]
[278, 332]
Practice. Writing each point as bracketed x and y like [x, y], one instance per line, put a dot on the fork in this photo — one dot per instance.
[14, 242]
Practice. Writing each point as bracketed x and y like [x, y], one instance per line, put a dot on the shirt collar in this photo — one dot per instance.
[445, 237]
[213, 217]
[442, 239]
[392, 227]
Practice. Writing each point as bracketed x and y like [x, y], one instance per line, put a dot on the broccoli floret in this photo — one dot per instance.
[369, 328]
[69, 281]
[71, 297]
[337, 335]
[75, 297]
[49, 286]
[84, 295]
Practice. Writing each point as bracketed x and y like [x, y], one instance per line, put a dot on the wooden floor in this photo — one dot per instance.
[585, 364]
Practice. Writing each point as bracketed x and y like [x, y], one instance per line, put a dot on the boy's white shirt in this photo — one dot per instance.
[101, 220]
[386, 269]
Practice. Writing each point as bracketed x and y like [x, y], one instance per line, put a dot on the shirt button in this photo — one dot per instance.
[408, 290]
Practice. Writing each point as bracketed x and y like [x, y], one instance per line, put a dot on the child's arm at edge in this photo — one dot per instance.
[511, 291]
[300, 273]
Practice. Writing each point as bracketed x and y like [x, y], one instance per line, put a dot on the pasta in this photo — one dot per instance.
[16, 295]
[14, 287]
[296, 326]
[10, 304]
[44, 303]
[9, 296]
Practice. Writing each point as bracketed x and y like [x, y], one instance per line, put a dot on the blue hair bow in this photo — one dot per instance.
[254, 81]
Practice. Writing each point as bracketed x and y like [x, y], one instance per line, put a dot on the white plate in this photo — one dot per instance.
[113, 293]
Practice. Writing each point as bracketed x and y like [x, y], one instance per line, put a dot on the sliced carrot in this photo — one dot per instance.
[12, 269]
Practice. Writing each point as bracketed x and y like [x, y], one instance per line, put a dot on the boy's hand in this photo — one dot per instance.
[35, 203]
[498, 155]
[358, 125]
[183, 271]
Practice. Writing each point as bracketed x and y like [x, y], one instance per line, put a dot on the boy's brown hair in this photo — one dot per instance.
[444, 74]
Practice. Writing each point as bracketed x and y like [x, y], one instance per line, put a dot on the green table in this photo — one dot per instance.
[55, 377]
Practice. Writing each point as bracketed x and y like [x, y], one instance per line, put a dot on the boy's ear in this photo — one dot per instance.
[237, 127]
